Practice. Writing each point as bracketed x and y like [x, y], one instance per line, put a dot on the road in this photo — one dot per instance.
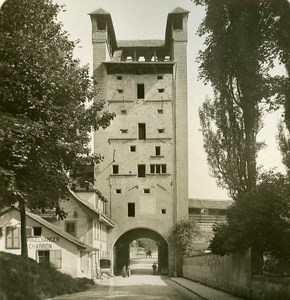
[143, 287]
[142, 284]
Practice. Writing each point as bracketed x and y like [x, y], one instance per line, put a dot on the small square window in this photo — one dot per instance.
[160, 111]
[161, 130]
[124, 130]
[118, 191]
[146, 191]
[37, 231]
[115, 169]
[160, 90]
[163, 211]
[120, 91]
[119, 77]
[133, 148]
[123, 112]
[159, 77]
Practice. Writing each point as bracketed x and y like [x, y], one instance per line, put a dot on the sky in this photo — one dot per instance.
[146, 19]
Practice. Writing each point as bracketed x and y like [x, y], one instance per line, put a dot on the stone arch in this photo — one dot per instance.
[121, 250]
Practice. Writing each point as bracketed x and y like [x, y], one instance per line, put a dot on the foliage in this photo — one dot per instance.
[183, 236]
[223, 133]
[259, 219]
[24, 278]
[240, 52]
[45, 118]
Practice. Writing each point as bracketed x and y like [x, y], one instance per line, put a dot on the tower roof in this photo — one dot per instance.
[179, 10]
[99, 11]
[140, 43]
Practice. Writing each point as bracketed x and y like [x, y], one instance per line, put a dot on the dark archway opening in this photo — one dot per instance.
[122, 249]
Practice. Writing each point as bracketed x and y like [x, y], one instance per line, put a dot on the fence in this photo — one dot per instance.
[232, 273]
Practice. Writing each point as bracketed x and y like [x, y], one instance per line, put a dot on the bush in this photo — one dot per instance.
[23, 278]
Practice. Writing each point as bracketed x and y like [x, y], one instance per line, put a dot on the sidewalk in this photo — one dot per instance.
[204, 291]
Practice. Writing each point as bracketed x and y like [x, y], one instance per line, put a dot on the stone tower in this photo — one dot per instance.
[144, 174]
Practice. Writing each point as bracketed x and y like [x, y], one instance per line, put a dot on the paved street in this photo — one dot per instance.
[143, 287]
[140, 285]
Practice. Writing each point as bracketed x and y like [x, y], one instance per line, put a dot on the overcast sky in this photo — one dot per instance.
[146, 19]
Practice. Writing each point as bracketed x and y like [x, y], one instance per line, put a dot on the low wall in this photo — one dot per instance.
[231, 273]
[268, 288]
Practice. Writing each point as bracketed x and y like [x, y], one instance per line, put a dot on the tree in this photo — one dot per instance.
[238, 57]
[44, 116]
[260, 219]
[183, 236]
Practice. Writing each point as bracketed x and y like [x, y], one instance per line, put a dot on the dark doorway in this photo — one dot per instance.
[158, 246]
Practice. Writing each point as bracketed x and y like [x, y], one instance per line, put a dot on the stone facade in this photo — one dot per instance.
[144, 174]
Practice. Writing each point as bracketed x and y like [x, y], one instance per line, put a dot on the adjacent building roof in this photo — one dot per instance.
[102, 217]
[53, 228]
[209, 203]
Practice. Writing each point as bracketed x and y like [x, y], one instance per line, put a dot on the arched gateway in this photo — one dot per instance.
[122, 248]
[144, 173]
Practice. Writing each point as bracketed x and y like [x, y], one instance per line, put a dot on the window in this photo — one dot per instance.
[43, 256]
[119, 77]
[29, 231]
[133, 148]
[160, 111]
[123, 112]
[37, 231]
[159, 77]
[161, 130]
[140, 91]
[115, 169]
[160, 90]
[158, 168]
[1, 231]
[163, 211]
[12, 237]
[70, 227]
[124, 130]
[118, 191]
[177, 21]
[142, 131]
[55, 258]
[120, 91]
[131, 209]
[101, 22]
[141, 170]
[157, 150]
[146, 191]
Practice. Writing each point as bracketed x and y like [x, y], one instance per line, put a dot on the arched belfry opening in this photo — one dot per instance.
[122, 249]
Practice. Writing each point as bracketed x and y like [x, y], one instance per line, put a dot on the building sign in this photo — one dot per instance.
[42, 242]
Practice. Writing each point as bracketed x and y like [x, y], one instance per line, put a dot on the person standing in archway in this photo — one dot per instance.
[154, 267]
[124, 272]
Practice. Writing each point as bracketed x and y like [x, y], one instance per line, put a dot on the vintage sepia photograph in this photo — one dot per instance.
[144, 149]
